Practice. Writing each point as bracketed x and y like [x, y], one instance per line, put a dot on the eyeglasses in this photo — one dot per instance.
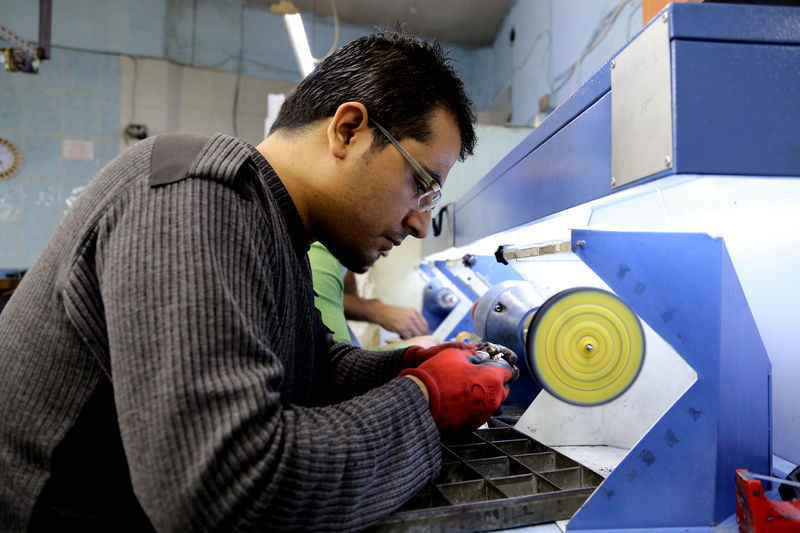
[431, 191]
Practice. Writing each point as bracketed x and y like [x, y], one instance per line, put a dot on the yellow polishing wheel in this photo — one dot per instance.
[585, 346]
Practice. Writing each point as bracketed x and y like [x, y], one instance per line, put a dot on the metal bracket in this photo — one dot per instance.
[506, 252]
[641, 106]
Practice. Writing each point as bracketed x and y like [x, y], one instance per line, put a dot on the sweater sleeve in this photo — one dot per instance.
[194, 335]
[357, 371]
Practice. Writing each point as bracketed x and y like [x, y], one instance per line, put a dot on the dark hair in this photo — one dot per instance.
[400, 79]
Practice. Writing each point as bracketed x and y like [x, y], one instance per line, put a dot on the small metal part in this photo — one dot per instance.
[580, 244]
[499, 308]
[17, 41]
[772, 479]
[498, 254]
[613, 63]
[446, 299]
[668, 161]
[664, 17]
[613, 182]
[507, 252]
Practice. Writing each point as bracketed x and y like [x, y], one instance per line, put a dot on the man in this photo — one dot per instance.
[336, 296]
[162, 364]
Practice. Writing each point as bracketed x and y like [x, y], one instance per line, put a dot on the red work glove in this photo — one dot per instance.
[463, 395]
[416, 355]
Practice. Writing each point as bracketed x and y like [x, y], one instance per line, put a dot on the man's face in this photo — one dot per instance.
[378, 207]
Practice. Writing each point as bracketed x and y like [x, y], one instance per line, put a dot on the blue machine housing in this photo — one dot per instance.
[435, 308]
[734, 112]
[432, 308]
[680, 474]
[489, 270]
[754, 55]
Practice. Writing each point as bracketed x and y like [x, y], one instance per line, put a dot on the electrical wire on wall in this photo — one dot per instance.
[194, 31]
[599, 33]
[636, 11]
[134, 132]
[131, 131]
[528, 54]
[557, 83]
[239, 60]
[335, 44]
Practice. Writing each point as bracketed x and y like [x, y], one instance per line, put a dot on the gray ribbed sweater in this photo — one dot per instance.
[165, 345]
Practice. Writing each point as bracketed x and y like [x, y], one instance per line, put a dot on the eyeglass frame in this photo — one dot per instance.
[435, 189]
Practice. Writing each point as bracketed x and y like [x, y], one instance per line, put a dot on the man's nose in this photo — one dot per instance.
[417, 223]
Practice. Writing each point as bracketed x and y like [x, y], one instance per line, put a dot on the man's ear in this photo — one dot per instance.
[348, 124]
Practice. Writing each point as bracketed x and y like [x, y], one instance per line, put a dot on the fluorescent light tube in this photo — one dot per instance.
[302, 52]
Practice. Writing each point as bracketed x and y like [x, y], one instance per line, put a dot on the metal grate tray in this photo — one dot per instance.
[494, 479]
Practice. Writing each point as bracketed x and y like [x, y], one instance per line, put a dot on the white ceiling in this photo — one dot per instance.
[462, 22]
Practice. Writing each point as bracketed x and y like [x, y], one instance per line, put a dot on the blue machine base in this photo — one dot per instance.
[680, 475]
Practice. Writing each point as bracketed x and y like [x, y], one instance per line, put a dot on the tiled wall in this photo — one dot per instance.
[165, 97]
[91, 97]
[87, 96]
[75, 97]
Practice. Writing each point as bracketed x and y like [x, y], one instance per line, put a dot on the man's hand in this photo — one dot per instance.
[416, 355]
[405, 321]
[424, 341]
[462, 394]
